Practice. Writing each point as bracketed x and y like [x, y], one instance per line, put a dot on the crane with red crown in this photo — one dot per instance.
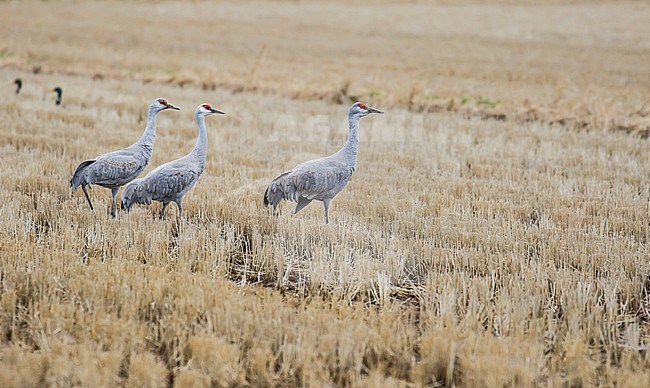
[320, 179]
[171, 181]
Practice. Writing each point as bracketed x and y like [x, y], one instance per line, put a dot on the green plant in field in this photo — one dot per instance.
[480, 100]
[463, 100]
[431, 97]
[374, 93]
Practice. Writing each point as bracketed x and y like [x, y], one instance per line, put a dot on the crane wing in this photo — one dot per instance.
[115, 169]
[167, 181]
[315, 179]
[320, 180]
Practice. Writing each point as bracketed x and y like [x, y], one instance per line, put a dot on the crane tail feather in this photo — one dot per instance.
[266, 197]
[135, 192]
[273, 195]
[276, 191]
[78, 176]
[129, 196]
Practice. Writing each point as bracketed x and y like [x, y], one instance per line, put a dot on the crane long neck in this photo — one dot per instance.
[201, 147]
[351, 147]
[147, 139]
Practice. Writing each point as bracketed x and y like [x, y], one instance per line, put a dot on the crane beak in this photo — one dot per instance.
[170, 106]
[217, 111]
[373, 110]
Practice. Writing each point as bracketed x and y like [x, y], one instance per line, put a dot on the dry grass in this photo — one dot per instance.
[464, 252]
[583, 65]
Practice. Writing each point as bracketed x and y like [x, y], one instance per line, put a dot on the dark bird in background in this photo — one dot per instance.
[59, 93]
[19, 85]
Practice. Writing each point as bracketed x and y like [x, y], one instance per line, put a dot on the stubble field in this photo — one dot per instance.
[494, 233]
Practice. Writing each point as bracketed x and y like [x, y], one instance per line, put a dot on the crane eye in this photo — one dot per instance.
[363, 106]
[163, 102]
[206, 106]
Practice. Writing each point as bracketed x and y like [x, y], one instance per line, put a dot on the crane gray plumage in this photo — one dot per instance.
[171, 181]
[118, 168]
[320, 179]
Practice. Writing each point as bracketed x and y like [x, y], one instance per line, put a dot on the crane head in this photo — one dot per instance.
[206, 109]
[161, 104]
[360, 109]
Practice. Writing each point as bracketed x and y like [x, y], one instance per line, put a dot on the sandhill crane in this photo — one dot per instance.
[320, 179]
[171, 181]
[118, 168]
[19, 85]
[59, 93]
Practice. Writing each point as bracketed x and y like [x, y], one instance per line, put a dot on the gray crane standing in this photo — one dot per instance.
[118, 168]
[171, 181]
[320, 179]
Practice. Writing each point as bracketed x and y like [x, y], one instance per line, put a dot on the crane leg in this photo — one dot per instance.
[179, 203]
[162, 211]
[326, 203]
[114, 195]
[83, 187]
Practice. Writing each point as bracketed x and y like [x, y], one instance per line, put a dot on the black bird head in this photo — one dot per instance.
[59, 93]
